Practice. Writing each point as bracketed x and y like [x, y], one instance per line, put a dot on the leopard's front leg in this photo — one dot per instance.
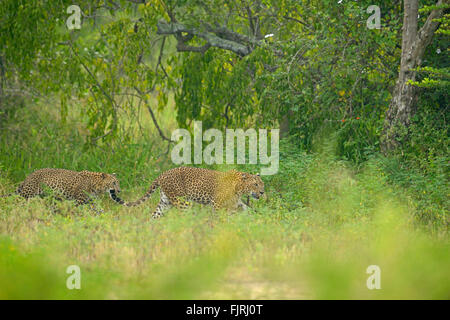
[163, 204]
[84, 198]
[242, 205]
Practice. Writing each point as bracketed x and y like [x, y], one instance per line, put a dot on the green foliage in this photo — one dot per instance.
[423, 167]
[331, 75]
[37, 139]
[323, 222]
[320, 67]
[434, 77]
[105, 64]
[90, 99]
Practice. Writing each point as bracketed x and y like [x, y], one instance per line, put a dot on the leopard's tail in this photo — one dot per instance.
[144, 198]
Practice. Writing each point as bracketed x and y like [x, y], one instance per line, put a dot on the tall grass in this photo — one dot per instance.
[322, 224]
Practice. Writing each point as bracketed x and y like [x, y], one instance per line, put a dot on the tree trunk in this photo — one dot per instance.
[285, 124]
[403, 103]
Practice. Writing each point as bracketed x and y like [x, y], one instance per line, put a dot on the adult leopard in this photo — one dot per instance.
[72, 185]
[211, 187]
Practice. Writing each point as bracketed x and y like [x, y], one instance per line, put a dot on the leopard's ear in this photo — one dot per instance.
[245, 175]
[258, 174]
[104, 175]
[114, 174]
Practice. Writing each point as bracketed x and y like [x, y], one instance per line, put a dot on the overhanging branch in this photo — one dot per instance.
[155, 122]
[219, 37]
[425, 34]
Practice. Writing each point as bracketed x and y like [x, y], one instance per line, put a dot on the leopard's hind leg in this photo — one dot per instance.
[30, 189]
[163, 204]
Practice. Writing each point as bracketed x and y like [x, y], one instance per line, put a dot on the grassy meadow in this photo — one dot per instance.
[323, 222]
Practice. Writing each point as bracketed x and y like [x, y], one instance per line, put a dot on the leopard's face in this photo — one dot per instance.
[253, 185]
[109, 183]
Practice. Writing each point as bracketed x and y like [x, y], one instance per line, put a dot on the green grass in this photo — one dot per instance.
[322, 224]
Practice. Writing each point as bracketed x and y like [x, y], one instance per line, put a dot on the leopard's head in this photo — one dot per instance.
[109, 183]
[252, 184]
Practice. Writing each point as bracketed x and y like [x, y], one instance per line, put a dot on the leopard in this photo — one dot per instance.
[71, 185]
[179, 186]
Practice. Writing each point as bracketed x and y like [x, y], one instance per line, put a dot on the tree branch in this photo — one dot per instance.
[155, 122]
[100, 87]
[215, 37]
[425, 34]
